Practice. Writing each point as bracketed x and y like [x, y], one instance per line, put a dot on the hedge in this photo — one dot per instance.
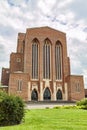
[11, 110]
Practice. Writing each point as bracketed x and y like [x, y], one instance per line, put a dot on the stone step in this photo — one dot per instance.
[51, 102]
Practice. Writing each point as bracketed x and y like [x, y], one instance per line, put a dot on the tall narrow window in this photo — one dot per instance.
[58, 61]
[19, 85]
[46, 59]
[78, 87]
[35, 59]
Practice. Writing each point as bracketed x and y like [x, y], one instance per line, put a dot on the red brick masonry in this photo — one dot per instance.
[18, 77]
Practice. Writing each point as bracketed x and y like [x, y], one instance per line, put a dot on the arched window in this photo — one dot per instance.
[47, 94]
[34, 95]
[59, 95]
[35, 59]
[46, 59]
[58, 60]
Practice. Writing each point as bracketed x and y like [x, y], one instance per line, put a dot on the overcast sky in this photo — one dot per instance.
[69, 16]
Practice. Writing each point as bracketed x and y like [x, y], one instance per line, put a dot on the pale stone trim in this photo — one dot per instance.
[35, 86]
[41, 91]
[54, 91]
[47, 85]
[66, 92]
[29, 93]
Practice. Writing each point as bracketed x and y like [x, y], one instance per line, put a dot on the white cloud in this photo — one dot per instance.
[46, 6]
[79, 8]
[63, 3]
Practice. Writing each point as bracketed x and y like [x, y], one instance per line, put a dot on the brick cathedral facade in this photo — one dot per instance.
[40, 69]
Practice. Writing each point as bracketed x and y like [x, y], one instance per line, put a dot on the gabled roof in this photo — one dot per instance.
[46, 27]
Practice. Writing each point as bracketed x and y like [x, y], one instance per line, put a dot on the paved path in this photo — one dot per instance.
[46, 105]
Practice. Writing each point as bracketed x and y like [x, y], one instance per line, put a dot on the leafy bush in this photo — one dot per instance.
[47, 107]
[11, 110]
[57, 107]
[82, 103]
[2, 95]
[69, 107]
[66, 107]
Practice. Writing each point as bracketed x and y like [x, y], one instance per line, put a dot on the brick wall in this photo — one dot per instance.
[13, 85]
[76, 87]
[41, 34]
[21, 42]
[86, 93]
[16, 62]
[21, 65]
[5, 76]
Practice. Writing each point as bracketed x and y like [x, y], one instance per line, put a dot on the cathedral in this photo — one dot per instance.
[39, 70]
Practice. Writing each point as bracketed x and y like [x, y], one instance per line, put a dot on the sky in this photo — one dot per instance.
[69, 16]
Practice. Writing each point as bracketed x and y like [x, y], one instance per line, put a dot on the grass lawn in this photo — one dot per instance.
[52, 119]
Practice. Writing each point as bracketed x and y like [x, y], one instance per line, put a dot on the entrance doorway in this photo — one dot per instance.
[59, 95]
[34, 95]
[47, 94]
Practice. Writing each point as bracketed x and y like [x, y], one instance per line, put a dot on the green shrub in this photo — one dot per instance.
[65, 107]
[2, 95]
[82, 103]
[11, 110]
[69, 106]
[47, 108]
[57, 107]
